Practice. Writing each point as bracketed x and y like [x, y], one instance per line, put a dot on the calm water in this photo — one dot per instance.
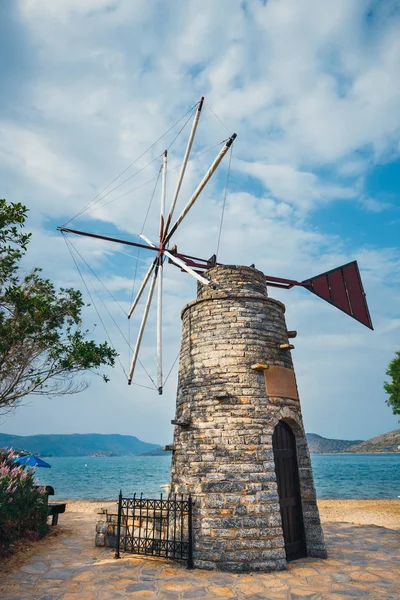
[335, 476]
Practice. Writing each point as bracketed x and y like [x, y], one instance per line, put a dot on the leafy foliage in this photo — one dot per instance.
[13, 241]
[23, 506]
[393, 388]
[42, 344]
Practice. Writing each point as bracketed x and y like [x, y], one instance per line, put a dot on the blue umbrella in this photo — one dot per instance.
[32, 461]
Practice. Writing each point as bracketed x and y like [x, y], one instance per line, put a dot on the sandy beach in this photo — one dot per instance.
[384, 513]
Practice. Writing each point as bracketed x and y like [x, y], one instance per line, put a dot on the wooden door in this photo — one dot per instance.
[287, 475]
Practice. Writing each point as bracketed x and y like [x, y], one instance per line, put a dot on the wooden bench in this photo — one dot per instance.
[54, 509]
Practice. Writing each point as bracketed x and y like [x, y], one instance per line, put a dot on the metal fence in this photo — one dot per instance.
[156, 527]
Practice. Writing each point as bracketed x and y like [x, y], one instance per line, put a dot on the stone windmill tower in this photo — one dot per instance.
[239, 443]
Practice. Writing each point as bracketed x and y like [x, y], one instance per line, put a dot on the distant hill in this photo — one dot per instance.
[98, 444]
[77, 444]
[321, 445]
[157, 452]
[388, 442]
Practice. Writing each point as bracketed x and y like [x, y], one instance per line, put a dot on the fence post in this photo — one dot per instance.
[117, 555]
[190, 535]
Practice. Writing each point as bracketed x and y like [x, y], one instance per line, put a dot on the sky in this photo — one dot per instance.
[312, 90]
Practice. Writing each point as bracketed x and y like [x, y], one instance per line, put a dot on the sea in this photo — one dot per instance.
[101, 478]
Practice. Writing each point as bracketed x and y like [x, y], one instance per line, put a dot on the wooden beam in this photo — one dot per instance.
[180, 423]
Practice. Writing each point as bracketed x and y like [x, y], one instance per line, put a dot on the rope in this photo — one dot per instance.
[179, 132]
[96, 197]
[131, 255]
[153, 179]
[151, 200]
[97, 277]
[94, 304]
[109, 313]
[130, 177]
[170, 371]
[223, 205]
[218, 119]
[143, 386]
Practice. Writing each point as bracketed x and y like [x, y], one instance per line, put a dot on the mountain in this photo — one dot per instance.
[388, 442]
[89, 444]
[157, 452]
[321, 445]
[77, 444]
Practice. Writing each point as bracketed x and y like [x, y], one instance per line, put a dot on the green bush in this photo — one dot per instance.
[23, 507]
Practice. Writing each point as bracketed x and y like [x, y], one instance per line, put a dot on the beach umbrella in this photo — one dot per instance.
[30, 460]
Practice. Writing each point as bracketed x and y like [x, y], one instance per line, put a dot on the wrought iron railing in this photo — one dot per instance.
[156, 527]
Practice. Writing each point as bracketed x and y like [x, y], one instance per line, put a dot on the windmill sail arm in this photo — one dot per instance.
[201, 186]
[185, 267]
[105, 238]
[141, 289]
[150, 243]
[163, 192]
[142, 326]
[159, 329]
[184, 165]
[280, 282]
[198, 263]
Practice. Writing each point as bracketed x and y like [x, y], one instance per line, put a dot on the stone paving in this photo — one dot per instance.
[364, 562]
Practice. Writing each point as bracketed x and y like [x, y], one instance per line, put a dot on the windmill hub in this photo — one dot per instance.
[243, 453]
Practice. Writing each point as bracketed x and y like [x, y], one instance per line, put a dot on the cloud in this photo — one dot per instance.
[27, 153]
[311, 88]
[375, 206]
[302, 189]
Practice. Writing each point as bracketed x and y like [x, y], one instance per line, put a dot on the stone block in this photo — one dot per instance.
[215, 501]
[223, 486]
[267, 497]
[101, 527]
[269, 565]
[100, 539]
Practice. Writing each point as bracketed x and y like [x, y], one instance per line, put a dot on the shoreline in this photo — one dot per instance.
[357, 453]
[169, 452]
[378, 512]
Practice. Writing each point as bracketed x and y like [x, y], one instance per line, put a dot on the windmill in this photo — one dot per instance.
[341, 287]
[239, 446]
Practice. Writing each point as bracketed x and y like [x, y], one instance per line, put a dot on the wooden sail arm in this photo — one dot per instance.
[191, 261]
[280, 282]
[200, 187]
[105, 238]
[197, 263]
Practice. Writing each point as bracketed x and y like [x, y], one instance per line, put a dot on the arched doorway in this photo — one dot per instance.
[287, 476]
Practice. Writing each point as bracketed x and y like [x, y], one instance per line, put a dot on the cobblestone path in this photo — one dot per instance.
[364, 562]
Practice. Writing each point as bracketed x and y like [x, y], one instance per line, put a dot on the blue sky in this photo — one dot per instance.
[312, 90]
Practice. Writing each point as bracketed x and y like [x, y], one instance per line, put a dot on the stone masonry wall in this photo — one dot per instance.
[223, 451]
